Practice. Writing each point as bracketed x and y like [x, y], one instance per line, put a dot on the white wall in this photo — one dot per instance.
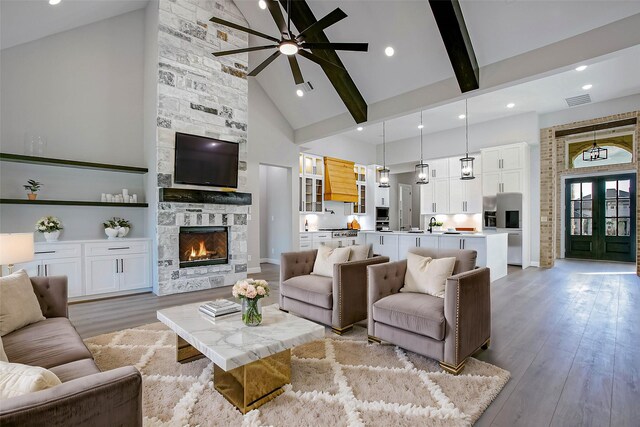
[343, 148]
[275, 222]
[591, 111]
[81, 89]
[270, 142]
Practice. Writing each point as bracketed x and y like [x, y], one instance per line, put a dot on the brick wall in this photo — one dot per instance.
[553, 169]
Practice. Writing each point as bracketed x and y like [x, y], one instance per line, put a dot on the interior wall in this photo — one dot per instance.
[275, 223]
[263, 213]
[394, 199]
[343, 148]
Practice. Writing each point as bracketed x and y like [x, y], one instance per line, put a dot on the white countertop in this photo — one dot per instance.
[105, 240]
[229, 343]
[434, 234]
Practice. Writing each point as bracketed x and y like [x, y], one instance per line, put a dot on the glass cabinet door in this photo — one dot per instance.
[362, 197]
[318, 195]
[308, 194]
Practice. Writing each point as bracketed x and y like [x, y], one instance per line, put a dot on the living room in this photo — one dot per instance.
[145, 170]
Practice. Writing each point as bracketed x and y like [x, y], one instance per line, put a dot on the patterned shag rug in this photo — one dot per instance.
[338, 381]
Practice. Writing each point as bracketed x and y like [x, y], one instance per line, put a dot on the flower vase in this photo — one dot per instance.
[251, 311]
[51, 236]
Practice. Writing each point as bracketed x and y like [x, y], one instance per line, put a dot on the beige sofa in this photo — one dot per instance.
[86, 397]
[448, 329]
[338, 301]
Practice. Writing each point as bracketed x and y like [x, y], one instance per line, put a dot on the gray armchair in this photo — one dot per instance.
[338, 301]
[448, 329]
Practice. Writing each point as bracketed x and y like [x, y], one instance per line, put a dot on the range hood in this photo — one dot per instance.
[339, 181]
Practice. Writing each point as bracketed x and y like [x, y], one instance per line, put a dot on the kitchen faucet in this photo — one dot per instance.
[432, 222]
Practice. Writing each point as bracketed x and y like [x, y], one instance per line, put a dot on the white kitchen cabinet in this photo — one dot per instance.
[434, 197]
[491, 183]
[512, 181]
[504, 169]
[382, 197]
[512, 157]
[134, 271]
[384, 244]
[406, 242]
[503, 182]
[311, 179]
[439, 169]
[491, 160]
[465, 196]
[102, 274]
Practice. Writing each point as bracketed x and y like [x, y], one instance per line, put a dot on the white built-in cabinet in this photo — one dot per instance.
[384, 244]
[434, 196]
[311, 178]
[360, 208]
[504, 169]
[465, 196]
[406, 242]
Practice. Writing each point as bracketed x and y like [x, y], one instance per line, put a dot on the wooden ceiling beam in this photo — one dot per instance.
[302, 17]
[456, 40]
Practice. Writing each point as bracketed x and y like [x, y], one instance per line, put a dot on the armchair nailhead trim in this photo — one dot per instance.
[457, 320]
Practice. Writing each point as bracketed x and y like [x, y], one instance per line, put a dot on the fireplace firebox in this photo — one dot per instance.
[203, 246]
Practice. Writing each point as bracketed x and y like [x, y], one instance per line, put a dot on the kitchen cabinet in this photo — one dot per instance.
[465, 196]
[507, 157]
[116, 266]
[503, 182]
[434, 197]
[438, 169]
[504, 169]
[408, 241]
[360, 207]
[384, 244]
[382, 197]
[311, 180]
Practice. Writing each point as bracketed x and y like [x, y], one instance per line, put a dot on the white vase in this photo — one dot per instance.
[52, 236]
[111, 233]
[123, 231]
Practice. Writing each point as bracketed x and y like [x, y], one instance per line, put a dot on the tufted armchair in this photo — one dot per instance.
[448, 329]
[338, 301]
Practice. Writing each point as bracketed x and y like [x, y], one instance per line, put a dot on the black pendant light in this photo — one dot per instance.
[422, 168]
[595, 152]
[466, 163]
[384, 172]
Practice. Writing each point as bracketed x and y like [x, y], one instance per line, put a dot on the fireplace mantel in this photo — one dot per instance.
[179, 195]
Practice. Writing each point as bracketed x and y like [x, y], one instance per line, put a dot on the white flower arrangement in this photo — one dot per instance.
[250, 289]
[48, 224]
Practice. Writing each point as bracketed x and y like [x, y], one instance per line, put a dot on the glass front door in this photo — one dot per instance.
[600, 218]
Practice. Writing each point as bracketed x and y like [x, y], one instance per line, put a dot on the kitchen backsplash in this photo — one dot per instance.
[453, 221]
[338, 219]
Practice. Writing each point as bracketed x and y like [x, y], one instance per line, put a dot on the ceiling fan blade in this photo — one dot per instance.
[276, 14]
[322, 62]
[359, 47]
[245, 29]
[323, 23]
[248, 49]
[295, 70]
[264, 64]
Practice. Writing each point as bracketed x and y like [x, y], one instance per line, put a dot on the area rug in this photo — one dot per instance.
[337, 381]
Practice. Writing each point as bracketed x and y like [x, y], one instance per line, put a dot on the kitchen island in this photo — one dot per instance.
[491, 248]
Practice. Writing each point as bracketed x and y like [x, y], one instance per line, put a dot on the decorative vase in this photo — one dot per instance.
[52, 236]
[251, 311]
[111, 233]
[123, 231]
[32, 196]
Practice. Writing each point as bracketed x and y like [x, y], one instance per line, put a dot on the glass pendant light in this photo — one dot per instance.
[422, 168]
[595, 152]
[466, 163]
[384, 172]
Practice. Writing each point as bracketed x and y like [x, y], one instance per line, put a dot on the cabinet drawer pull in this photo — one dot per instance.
[117, 268]
[44, 252]
[38, 270]
[117, 249]
[46, 270]
[121, 265]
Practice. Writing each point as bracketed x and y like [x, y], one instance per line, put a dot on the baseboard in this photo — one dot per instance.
[254, 270]
[269, 261]
[534, 264]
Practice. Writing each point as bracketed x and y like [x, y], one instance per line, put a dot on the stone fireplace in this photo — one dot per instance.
[198, 246]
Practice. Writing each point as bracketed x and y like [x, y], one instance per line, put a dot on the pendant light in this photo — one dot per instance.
[422, 168]
[466, 163]
[595, 152]
[384, 172]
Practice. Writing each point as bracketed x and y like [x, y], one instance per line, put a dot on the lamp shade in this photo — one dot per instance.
[16, 247]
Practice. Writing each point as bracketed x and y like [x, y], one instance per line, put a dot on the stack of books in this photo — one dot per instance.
[219, 307]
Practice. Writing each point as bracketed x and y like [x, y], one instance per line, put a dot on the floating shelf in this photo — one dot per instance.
[70, 203]
[17, 158]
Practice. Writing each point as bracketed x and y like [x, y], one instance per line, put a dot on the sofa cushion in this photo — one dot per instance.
[17, 379]
[427, 275]
[465, 258]
[327, 257]
[312, 289]
[18, 304]
[3, 355]
[73, 370]
[419, 313]
[48, 343]
[360, 252]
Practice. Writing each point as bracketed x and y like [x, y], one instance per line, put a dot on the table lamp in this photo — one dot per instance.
[15, 247]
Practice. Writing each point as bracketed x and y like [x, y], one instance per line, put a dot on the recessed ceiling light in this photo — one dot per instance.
[420, 126]
[511, 105]
[461, 116]
[389, 51]
[359, 128]
[54, 2]
[299, 92]
[587, 87]
[262, 4]
[581, 68]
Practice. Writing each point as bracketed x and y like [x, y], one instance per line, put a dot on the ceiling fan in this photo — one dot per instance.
[290, 44]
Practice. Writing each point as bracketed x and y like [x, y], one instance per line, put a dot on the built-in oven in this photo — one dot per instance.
[489, 207]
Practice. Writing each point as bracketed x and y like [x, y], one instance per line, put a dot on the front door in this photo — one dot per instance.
[600, 218]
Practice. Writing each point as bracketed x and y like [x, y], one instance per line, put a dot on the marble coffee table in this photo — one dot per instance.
[251, 363]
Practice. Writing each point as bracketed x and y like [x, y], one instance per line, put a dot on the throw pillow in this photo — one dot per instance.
[19, 306]
[3, 355]
[427, 275]
[327, 256]
[360, 252]
[17, 379]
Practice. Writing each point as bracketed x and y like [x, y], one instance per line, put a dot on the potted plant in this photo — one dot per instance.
[50, 227]
[250, 292]
[33, 186]
[438, 226]
[116, 227]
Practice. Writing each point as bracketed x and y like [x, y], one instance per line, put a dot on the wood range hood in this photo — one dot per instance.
[340, 181]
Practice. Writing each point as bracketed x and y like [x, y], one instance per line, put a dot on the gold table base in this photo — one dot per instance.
[249, 386]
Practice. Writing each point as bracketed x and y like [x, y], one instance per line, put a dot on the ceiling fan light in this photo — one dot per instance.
[288, 48]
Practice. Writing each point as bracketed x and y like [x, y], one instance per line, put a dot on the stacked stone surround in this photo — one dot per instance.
[202, 95]
[553, 168]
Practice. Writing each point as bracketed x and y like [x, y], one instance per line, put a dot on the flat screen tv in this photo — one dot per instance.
[206, 161]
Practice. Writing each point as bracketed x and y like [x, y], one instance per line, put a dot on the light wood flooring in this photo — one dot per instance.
[570, 336]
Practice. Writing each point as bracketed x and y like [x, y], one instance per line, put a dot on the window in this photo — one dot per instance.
[581, 209]
[618, 143]
[618, 207]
